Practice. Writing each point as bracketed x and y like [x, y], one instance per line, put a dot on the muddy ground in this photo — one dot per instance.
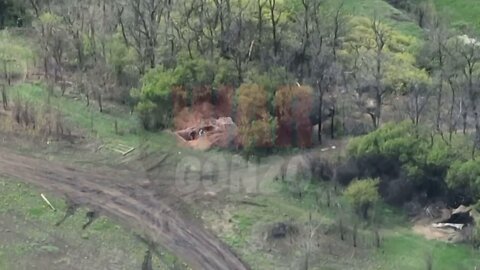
[27, 244]
[128, 198]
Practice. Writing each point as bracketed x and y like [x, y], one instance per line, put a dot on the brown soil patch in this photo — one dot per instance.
[424, 227]
[118, 195]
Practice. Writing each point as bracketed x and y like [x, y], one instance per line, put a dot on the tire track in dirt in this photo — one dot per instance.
[131, 205]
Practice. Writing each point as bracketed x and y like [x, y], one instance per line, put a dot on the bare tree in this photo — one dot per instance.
[470, 57]
[74, 17]
[275, 16]
[439, 38]
[418, 98]
[339, 23]
[309, 242]
[382, 36]
[4, 97]
[452, 119]
[143, 28]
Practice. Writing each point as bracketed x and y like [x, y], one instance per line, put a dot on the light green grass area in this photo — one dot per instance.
[28, 235]
[20, 202]
[398, 19]
[385, 12]
[404, 250]
[77, 114]
[16, 53]
[463, 14]
[400, 247]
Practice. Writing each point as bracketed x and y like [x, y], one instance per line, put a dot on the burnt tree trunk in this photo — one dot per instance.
[4, 98]
[320, 113]
[332, 123]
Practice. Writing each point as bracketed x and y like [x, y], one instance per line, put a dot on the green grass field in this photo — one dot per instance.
[29, 238]
[77, 114]
[404, 250]
[463, 14]
[398, 19]
[400, 247]
[385, 12]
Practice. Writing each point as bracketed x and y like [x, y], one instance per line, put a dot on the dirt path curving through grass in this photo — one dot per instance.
[108, 191]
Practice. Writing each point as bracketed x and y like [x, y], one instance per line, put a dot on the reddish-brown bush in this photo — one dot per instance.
[292, 106]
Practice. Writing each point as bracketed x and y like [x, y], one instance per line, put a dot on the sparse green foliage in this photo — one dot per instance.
[15, 56]
[225, 74]
[194, 72]
[363, 194]
[120, 57]
[258, 134]
[252, 101]
[272, 79]
[256, 127]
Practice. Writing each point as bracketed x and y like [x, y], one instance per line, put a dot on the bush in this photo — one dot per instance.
[402, 149]
[252, 100]
[258, 134]
[465, 176]
[293, 105]
[257, 127]
[362, 195]
[408, 145]
[18, 54]
[154, 100]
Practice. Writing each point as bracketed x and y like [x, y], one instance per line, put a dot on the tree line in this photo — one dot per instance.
[138, 51]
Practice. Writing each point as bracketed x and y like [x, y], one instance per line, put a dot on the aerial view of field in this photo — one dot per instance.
[239, 134]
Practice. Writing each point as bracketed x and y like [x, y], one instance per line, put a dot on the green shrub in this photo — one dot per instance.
[466, 176]
[154, 99]
[362, 195]
[18, 56]
[431, 163]
[411, 146]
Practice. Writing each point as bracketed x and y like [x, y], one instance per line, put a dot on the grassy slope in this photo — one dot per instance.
[392, 16]
[101, 126]
[460, 12]
[400, 248]
[96, 125]
[370, 8]
[24, 203]
[30, 238]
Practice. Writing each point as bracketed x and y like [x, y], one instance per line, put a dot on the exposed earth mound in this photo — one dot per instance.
[221, 132]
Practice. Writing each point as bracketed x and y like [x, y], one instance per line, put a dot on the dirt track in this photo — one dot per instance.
[139, 208]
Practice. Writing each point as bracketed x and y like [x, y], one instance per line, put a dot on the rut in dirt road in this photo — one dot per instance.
[131, 205]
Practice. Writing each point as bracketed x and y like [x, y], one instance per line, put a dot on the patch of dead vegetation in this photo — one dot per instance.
[37, 122]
